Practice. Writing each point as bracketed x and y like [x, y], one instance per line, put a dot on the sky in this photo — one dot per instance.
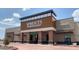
[9, 17]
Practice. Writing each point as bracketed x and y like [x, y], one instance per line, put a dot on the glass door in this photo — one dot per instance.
[33, 37]
[68, 39]
[45, 38]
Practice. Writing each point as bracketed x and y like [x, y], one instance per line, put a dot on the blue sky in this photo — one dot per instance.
[9, 17]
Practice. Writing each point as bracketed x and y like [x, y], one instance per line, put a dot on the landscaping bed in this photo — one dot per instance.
[8, 48]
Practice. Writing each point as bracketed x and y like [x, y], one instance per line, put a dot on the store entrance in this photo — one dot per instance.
[45, 39]
[34, 37]
[67, 39]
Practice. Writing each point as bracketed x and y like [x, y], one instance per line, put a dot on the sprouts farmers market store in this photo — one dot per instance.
[43, 28]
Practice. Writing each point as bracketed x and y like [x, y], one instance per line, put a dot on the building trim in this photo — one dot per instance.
[39, 29]
[49, 11]
[65, 19]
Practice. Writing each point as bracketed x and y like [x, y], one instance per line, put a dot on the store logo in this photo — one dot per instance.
[34, 24]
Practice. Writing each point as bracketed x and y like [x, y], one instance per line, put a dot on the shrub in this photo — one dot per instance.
[6, 41]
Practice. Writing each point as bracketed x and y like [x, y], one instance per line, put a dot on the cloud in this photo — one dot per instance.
[10, 22]
[7, 21]
[16, 15]
[17, 24]
[24, 9]
[2, 29]
[75, 15]
[2, 32]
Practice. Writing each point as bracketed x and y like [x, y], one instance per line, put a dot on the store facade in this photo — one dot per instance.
[38, 28]
[44, 28]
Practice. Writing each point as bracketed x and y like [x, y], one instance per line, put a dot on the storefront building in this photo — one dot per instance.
[38, 28]
[44, 28]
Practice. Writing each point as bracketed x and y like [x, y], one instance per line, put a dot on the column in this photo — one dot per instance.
[39, 37]
[22, 37]
[28, 37]
[50, 34]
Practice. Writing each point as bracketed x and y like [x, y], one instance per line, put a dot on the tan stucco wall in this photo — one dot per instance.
[76, 31]
[9, 35]
[60, 37]
[60, 24]
[60, 28]
[16, 31]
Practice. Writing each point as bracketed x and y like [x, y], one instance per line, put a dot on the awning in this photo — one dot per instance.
[39, 29]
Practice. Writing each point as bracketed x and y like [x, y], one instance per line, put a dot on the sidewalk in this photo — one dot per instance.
[27, 46]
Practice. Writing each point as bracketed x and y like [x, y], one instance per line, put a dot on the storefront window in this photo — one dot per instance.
[33, 33]
[66, 26]
[68, 36]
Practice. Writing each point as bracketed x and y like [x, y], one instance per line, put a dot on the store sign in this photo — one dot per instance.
[34, 24]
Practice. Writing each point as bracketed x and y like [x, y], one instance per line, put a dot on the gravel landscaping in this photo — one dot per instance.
[2, 47]
[7, 48]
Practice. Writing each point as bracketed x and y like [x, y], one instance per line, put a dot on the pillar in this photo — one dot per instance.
[28, 37]
[39, 37]
[50, 34]
[22, 37]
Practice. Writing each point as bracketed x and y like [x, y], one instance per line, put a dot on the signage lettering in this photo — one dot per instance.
[34, 24]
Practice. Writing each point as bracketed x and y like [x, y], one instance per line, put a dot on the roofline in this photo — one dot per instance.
[76, 22]
[13, 27]
[49, 11]
[65, 18]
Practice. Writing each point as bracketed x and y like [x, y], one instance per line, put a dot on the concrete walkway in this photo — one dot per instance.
[27, 46]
